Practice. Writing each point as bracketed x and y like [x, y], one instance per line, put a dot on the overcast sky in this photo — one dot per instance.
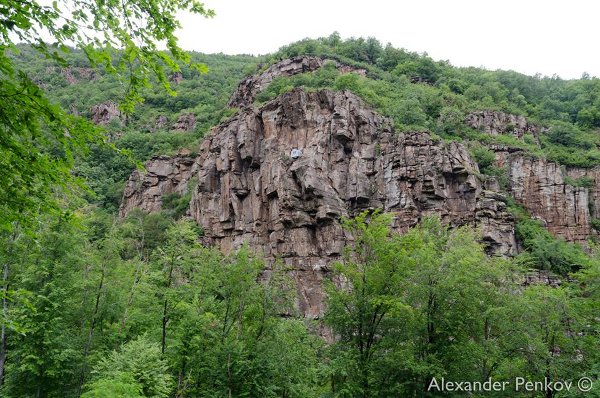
[529, 36]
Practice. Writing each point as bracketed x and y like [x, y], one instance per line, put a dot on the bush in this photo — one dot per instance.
[567, 134]
[137, 366]
[484, 157]
[584, 182]
[176, 204]
[547, 252]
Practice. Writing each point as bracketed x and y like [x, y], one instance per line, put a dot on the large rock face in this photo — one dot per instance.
[545, 190]
[74, 75]
[105, 112]
[593, 191]
[185, 122]
[281, 177]
[540, 187]
[250, 189]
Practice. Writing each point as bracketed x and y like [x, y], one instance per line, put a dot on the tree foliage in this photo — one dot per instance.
[39, 139]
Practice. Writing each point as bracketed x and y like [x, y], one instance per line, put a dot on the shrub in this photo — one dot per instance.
[484, 157]
[584, 182]
[547, 252]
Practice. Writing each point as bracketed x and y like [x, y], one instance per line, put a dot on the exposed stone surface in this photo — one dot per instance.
[105, 112]
[161, 122]
[185, 122]
[74, 75]
[541, 277]
[593, 175]
[163, 175]
[249, 87]
[500, 123]
[251, 191]
[540, 187]
[176, 77]
[73, 110]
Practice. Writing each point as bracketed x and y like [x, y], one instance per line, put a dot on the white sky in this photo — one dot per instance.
[528, 36]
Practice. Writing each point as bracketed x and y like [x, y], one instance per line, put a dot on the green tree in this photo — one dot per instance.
[38, 139]
[137, 367]
[412, 307]
[366, 307]
[46, 357]
[226, 336]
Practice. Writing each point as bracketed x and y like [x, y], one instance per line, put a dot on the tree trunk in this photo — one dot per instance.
[3, 336]
[88, 344]
[165, 318]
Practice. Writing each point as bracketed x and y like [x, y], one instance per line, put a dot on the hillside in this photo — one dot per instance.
[339, 218]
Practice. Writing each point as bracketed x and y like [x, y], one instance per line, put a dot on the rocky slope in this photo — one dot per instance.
[252, 85]
[253, 188]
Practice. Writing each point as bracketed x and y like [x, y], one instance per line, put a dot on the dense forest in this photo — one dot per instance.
[95, 305]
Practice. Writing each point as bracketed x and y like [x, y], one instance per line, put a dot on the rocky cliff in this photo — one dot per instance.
[498, 123]
[163, 175]
[549, 193]
[280, 178]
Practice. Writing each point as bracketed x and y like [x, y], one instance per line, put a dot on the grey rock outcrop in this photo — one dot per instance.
[251, 191]
[161, 122]
[176, 77]
[249, 87]
[500, 123]
[105, 112]
[163, 175]
[540, 187]
[185, 122]
[74, 75]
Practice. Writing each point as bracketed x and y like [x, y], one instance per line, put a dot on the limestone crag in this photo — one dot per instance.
[280, 178]
[541, 277]
[251, 190]
[161, 122]
[544, 190]
[249, 87]
[593, 175]
[74, 75]
[540, 186]
[176, 77]
[163, 175]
